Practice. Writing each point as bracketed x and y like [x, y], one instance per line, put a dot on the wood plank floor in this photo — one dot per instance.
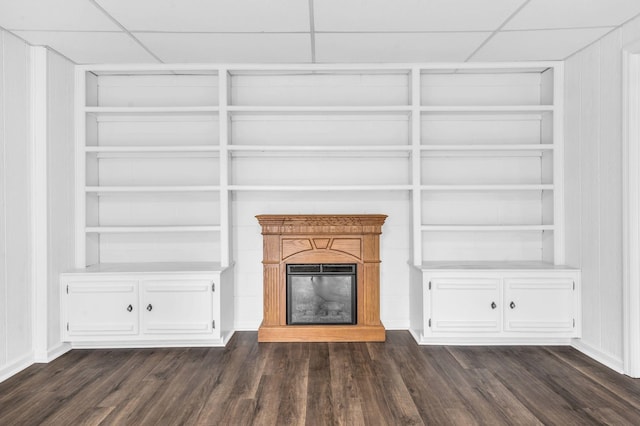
[392, 383]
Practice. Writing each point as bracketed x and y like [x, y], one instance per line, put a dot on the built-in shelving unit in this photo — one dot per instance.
[320, 130]
[151, 220]
[490, 184]
[476, 149]
[149, 166]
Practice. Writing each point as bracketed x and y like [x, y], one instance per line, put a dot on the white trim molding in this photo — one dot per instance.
[56, 352]
[16, 367]
[631, 208]
[605, 359]
[559, 245]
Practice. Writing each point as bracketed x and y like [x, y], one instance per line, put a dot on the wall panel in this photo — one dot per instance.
[17, 303]
[594, 153]
[610, 187]
[18, 327]
[590, 197]
[3, 248]
[572, 151]
[60, 153]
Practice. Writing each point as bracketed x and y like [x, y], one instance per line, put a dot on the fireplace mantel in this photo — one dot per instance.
[299, 239]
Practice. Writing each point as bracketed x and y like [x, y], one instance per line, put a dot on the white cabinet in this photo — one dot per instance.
[539, 304]
[465, 304]
[177, 306]
[123, 306]
[105, 308]
[476, 305]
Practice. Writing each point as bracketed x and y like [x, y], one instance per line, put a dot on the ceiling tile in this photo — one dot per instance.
[537, 45]
[544, 14]
[202, 47]
[210, 16]
[396, 47]
[51, 15]
[412, 15]
[90, 47]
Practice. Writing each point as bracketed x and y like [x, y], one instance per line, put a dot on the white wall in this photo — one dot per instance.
[593, 144]
[394, 245]
[16, 349]
[27, 198]
[60, 180]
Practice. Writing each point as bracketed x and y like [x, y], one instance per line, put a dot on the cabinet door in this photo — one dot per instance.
[465, 304]
[177, 307]
[539, 305]
[102, 308]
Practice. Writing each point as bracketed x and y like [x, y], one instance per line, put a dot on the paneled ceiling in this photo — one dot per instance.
[313, 31]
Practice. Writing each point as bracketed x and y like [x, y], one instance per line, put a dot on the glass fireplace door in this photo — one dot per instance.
[321, 294]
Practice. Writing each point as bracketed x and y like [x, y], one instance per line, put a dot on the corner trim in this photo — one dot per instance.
[631, 208]
[53, 353]
[39, 199]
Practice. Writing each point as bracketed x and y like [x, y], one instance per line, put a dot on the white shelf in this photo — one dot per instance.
[321, 148]
[150, 267]
[487, 108]
[496, 147]
[151, 149]
[194, 188]
[145, 229]
[320, 187]
[524, 187]
[319, 109]
[486, 228]
[163, 109]
[491, 265]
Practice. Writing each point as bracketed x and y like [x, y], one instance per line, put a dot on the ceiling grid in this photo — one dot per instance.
[323, 31]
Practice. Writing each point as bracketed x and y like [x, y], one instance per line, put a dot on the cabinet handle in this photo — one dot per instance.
[129, 308]
[149, 307]
[493, 305]
[512, 305]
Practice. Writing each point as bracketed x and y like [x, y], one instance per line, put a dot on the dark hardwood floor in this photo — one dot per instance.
[392, 383]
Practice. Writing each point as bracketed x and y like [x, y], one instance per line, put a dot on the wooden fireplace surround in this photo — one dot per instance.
[300, 239]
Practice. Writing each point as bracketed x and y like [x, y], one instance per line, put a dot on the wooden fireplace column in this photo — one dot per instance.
[299, 239]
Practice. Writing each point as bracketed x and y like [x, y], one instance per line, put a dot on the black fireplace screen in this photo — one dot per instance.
[321, 294]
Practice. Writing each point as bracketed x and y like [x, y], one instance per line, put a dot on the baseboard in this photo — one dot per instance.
[247, 326]
[16, 367]
[143, 344]
[55, 352]
[417, 336]
[395, 324]
[616, 364]
[226, 336]
[490, 341]
[388, 325]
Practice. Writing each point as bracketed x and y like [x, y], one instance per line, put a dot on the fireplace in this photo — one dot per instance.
[321, 278]
[321, 294]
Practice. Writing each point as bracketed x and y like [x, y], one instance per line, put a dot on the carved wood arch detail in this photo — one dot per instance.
[293, 246]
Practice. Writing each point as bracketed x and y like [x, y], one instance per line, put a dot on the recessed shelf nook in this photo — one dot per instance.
[472, 155]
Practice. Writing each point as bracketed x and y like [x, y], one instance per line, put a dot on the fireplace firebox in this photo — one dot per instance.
[321, 294]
